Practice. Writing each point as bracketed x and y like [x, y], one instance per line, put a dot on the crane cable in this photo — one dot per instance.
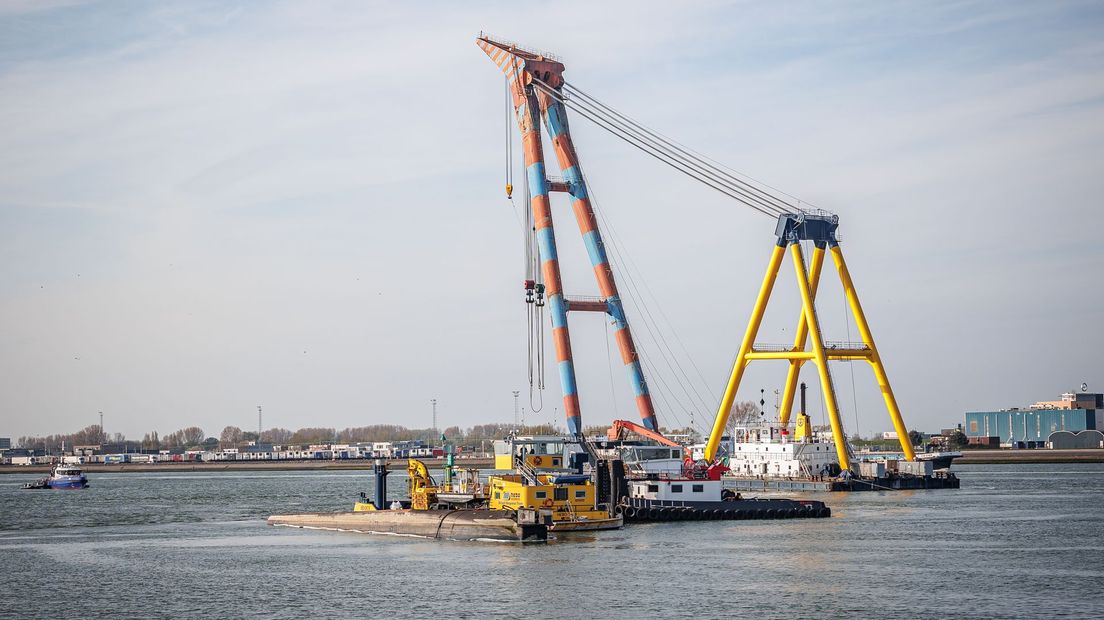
[763, 200]
[623, 266]
[509, 147]
[534, 314]
[681, 159]
[622, 263]
[676, 146]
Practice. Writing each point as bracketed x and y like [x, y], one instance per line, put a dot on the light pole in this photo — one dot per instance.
[433, 401]
[516, 393]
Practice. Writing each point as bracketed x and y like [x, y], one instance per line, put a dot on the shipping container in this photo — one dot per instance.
[872, 470]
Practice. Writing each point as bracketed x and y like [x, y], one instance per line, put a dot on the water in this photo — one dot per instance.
[1016, 541]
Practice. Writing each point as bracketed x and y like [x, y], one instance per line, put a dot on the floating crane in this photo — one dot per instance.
[539, 92]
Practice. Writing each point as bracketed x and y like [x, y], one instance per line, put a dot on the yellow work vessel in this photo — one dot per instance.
[570, 498]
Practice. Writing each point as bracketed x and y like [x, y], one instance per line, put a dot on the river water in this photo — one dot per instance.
[1016, 541]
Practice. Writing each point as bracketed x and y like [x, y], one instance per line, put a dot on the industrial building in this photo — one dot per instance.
[1035, 426]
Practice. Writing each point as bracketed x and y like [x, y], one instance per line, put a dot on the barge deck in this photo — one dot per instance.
[465, 524]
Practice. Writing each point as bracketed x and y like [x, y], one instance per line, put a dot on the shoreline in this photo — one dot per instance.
[969, 457]
[395, 465]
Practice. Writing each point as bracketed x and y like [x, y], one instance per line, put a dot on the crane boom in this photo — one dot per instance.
[620, 426]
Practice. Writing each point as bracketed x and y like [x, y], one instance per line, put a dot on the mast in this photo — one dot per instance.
[524, 70]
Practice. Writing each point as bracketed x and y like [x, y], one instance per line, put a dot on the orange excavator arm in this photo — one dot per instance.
[620, 426]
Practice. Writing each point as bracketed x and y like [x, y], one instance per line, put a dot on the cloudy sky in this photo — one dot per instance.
[209, 207]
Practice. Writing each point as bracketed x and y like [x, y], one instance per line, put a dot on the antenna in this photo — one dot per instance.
[259, 426]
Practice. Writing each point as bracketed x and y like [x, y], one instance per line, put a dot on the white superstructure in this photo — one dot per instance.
[676, 490]
[769, 451]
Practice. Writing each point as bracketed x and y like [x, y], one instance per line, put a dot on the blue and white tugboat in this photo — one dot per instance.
[63, 477]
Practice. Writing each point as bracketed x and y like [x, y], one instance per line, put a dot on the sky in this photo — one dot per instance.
[210, 206]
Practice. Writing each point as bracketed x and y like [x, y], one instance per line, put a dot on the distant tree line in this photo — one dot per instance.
[194, 438]
[745, 413]
[93, 435]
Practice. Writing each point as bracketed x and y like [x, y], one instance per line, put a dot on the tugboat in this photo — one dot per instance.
[63, 477]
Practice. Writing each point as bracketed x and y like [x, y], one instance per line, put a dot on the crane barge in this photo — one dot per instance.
[538, 91]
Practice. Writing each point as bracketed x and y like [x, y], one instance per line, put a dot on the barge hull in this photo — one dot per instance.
[853, 484]
[639, 510]
[447, 524]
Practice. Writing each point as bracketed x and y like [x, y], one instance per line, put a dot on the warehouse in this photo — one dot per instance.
[1032, 427]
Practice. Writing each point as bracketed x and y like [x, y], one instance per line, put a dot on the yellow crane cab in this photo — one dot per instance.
[536, 452]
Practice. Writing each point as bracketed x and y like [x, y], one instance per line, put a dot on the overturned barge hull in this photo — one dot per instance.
[464, 524]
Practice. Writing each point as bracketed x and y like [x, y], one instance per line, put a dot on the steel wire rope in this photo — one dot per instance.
[538, 278]
[619, 263]
[656, 335]
[630, 266]
[663, 391]
[534, 313]
[625, 266]
[510, 173]
[609, 365]
[702, 159]
[728, 187]
[735, 183]
[746, 178]
[509, 139]
[660, 154]
[850, 362]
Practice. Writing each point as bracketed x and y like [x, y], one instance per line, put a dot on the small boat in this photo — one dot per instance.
[63, 477]
[939, 460]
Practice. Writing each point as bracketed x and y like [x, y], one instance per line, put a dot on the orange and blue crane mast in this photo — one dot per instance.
[524, 69]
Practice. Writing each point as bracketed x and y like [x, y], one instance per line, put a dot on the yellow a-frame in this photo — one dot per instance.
[793, 228]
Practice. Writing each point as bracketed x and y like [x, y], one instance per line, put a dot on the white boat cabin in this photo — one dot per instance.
[676, 490]
[653, 459]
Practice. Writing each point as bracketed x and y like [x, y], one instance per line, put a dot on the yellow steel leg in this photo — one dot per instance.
[821, 359]
[875, 359]
[794, 371]
[738, 367]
